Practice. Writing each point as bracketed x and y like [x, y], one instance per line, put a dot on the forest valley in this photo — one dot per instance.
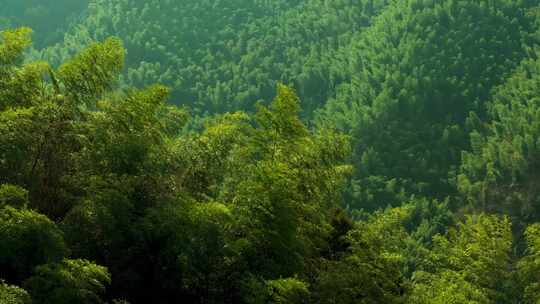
[270, 151]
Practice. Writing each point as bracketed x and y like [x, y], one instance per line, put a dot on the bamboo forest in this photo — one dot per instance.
[270, 151]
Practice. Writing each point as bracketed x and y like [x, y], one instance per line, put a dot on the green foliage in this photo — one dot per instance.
[288, 291]
[92, 72]
[473, 258]
[361, 278]
[218, 66]
[13, 43]
[283, 291]
[500, 173]
[17, 83]
[48, 17]
[284, 185]
[96, 229]
[69, 281]
[13, 196]
[28, 239]
[447, 287]
[41, 120]
[373, 269]
[528, 266]
[192, 246]
[246, 207]
[128, 134]
[424, 65]
[13, 295]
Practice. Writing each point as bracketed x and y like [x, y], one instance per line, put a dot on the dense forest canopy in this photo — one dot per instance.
[49, 18]
[270, 151]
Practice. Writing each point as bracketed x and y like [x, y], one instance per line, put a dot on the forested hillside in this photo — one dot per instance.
[225, 55]
[49, 18]
[270, 151]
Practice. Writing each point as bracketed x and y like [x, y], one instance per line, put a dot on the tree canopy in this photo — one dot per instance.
[270, 151]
